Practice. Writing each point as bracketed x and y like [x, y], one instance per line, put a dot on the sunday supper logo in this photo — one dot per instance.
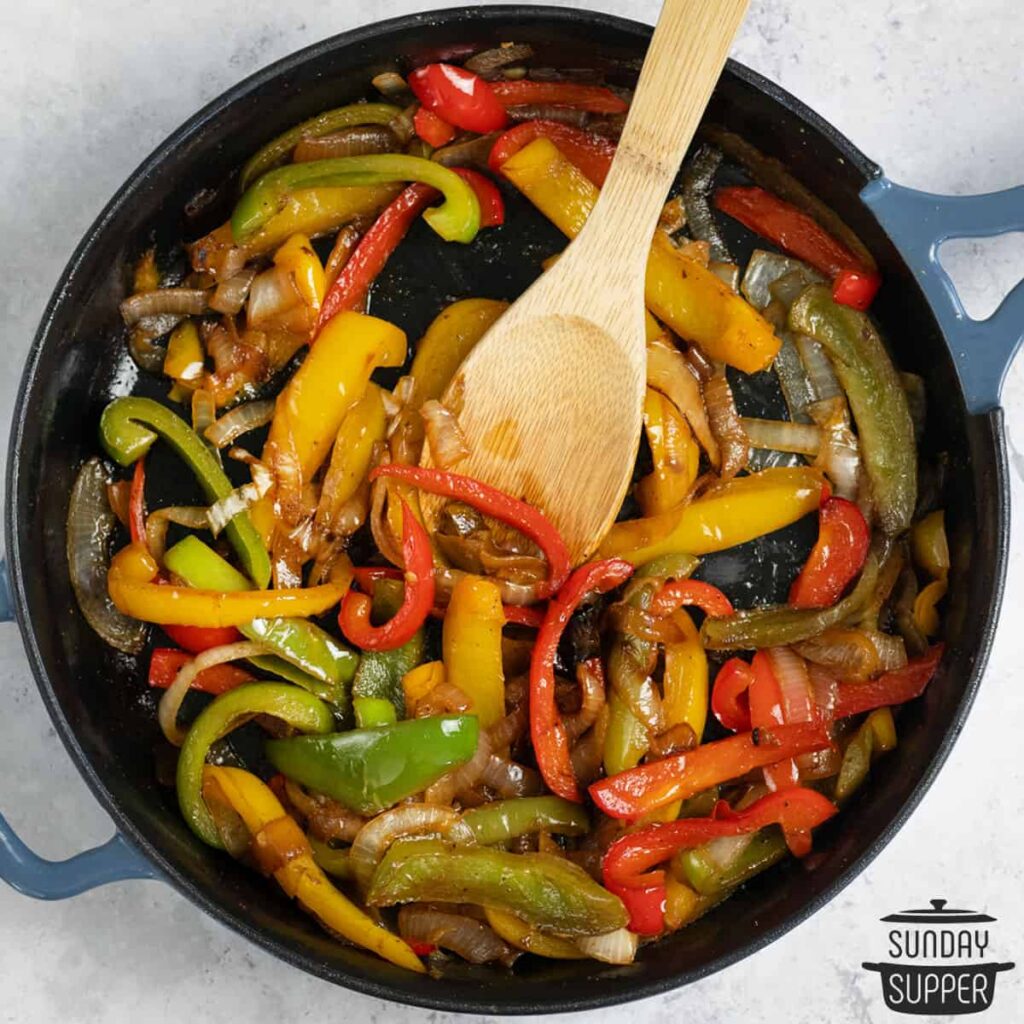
[938, 961]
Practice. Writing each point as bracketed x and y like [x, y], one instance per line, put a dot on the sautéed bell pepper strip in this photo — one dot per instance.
[802, 236]
[279, 149]
[201, 638]
[492, 206]
[433, 130]
[547, 731]
[165, 662]
[838, 555]
[354, 617]
[372, 769]
[796, 811]
[521, 615]
[471, 646]
[281, 849]
[730, 697]
[597, 99]
[674, 596]
[685, 680]
[298, 709]
[458, 96]
[638, 791]
[592, 154]
[895, 687]
[877, 399]
[768, 709]
[548, 892]
[128, 428]
[531, 522]
[132, 587]
[137, 504]
[678, 290]
[502, 820]
[457, 219]
[372, 252]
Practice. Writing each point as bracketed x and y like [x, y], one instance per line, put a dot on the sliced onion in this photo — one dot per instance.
[588, 751]
[763, 270]
[239, 421]
[839, 454]
[401, 124]
[488, 63]
[380, 528]
[793, 379]
[271, 294]
[445, 579]
[359, 140]
[697, 178]
[390, 83]
[824, 382]
[89, 526]
[177, 301]
[472, 152]
[446, 788]
[473, 940]
[672, 219]
[592, 700]
[783, 435]
[892, 651]
[510, 729]
[325, 818]
[223, 511]
[790, 286]
[230, 295]
[174, 695]
[724, 851]
[509, 779]
[142, 347]
[444, 698]
[400, 822]
[727, 273]
[204, 410]
[157, 522]
[617, 947]
[794, 684]
[344, 245]
[917, 401]
[824, 688]
[669, 373]
[444, 435]
[733, 444]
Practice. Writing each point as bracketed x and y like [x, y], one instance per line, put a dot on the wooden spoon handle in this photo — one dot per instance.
[685, 58]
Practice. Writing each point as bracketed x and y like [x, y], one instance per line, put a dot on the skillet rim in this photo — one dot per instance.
[436, 996]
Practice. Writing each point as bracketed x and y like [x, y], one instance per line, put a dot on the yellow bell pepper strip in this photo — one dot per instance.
[548, 892]
[780, 625]
[682, 904]
[297, 257]
[876, 735]
[310, 410]
[298, 709]
[695, 303]
[128, 428]
[625, 740]
[286, 853]
[457, 219]
[185, 359]
[929, 545]
[740, 510]
[471, 642]
[279, 149]
[132, 587]
[419, 681]
[685, 682]
[926, 615]
[674, 452]
[516, 932]
[877, 399]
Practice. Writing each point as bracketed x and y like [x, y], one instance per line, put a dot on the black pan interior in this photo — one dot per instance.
[98, 699]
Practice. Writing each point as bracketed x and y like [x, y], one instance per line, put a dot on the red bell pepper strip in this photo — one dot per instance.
[595, 98]
[201, 638]
[730, 696]
[137, 504]
[522, 616]
[165, 663]
[767, 710]
[856, 288]
[366, 576]
[802, 236]
[459, 97]
[628, 859]
[489, 500]
[638, 791]
[673, 596]
[646, 906]
[492, 206]
[547, 731]
[421, 948]
[418, 599]
[433, 130]
[592, 154]
[352, 284]
[837, 556]
[896, 687]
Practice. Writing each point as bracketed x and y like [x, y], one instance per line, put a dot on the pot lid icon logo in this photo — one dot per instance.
[940, 961]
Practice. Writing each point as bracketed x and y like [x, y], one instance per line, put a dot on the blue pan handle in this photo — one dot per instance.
[115, 861]
[919, 223]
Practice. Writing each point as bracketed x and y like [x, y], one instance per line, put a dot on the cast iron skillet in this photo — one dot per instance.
[78, 361]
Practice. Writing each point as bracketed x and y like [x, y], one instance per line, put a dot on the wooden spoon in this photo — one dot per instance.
[550, 398]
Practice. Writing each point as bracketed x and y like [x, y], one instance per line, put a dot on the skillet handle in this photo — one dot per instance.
[919, 222]
[115, 861]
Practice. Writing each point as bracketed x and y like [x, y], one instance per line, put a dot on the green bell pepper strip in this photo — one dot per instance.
[548, 892]
[299, 709]
[877, 399]
[457, 219]
[505, 819]
[369, 770]
[779, 625]
[673, 566]
[128, 428]
[379, 674]
[875, 735]
[325, 665]
[373, 711]
[697, 870]
[334, 862]
[279, 149]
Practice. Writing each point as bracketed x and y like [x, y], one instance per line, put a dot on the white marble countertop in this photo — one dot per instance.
[932, 90]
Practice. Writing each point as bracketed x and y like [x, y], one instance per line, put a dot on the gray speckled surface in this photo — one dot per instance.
[933, 90]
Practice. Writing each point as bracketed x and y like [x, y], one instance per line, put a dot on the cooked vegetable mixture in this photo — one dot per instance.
[523, 755]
